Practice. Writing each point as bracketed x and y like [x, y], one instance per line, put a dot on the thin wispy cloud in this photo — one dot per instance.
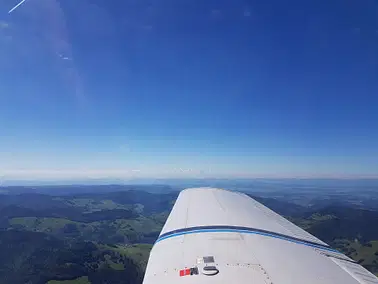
[4, 25]
[5, 36]
[64, 57]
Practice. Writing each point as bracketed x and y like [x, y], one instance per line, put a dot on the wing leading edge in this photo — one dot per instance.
[219, 236]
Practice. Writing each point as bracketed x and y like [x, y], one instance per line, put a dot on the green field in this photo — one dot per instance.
[365, 254]
[116, 231]
[90, 205]
[138, 252]
[48, 225]
[80, 280]
[41, 223]
[306, 223]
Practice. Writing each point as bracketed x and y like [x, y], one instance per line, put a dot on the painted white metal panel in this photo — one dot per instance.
[273, 250]
[357, 271]
[204, 206]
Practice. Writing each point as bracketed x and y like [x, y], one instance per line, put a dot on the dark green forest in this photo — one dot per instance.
[106, 237]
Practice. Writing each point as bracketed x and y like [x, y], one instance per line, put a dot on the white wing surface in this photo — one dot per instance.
[219, 236]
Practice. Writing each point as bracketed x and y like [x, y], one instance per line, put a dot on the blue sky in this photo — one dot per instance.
[188, 88]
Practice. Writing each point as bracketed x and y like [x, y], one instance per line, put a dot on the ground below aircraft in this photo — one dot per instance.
[219, 236]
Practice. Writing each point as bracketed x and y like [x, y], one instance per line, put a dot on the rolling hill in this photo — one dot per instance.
[95, 237]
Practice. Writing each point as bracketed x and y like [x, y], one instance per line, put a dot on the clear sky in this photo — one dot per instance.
[169, 88]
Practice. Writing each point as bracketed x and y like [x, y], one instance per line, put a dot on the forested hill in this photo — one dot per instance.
[30, 257]
[106, 237]
[85, 238]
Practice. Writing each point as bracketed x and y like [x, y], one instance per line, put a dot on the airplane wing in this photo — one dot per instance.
[219, 236]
